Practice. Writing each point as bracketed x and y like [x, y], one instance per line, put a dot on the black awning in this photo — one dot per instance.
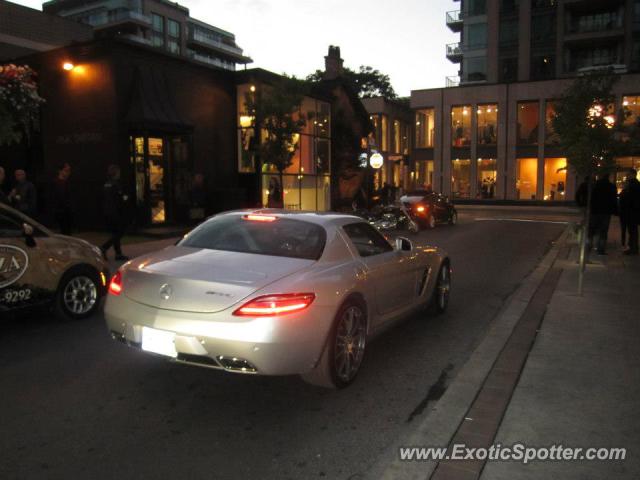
[151, 105]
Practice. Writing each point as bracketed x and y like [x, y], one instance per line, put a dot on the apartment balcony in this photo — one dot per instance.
[455, 21]
[110, 19]
[201, 40]
[452, 82]
[454, 52]
[209, 60]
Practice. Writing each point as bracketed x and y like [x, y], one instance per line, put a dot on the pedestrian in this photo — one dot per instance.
[582, 192]
[113, 207]
[630, 210]
[604, 203]
[62, 205]
[198, 198]
[23, 197]
[3, 196]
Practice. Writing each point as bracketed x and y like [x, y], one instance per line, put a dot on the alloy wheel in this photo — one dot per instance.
[80, 295]
[349, 343]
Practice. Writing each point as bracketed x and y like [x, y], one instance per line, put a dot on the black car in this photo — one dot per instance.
[429, 208]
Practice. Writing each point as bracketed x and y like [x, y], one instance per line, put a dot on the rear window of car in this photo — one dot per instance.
[281, 237]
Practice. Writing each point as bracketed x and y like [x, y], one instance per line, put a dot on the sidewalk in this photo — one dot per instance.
[580, 386]
[554, 369]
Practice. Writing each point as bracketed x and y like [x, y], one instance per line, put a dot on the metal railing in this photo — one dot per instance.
[137, 38]
[454, 49]
[207, 40]
[211, 61]
[452, 82]
[454, 16]
[110, 17]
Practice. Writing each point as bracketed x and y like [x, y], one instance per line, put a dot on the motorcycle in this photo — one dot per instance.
[389, 217]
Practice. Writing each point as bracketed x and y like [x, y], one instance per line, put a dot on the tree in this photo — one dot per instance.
[584, 121]
[276, 112]
[367, 82]
[19, 102]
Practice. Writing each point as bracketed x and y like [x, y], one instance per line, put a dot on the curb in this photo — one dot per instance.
[444, 418]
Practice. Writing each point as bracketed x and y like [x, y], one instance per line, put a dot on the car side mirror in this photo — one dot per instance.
[403, 244]
[27, 230]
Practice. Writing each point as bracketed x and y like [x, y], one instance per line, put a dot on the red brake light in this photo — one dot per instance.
[270, 305]
[115, 286]
[420, 208]
[260, 218]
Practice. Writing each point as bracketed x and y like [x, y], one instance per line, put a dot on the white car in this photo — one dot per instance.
[275, 292]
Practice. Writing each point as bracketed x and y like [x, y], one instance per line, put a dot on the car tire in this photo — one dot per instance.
[442, 290]
[78, 294]
[431, 221]
[453, 218]
[347, 341]
[413, 226]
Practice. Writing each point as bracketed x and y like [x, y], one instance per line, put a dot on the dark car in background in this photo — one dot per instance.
[428, 209]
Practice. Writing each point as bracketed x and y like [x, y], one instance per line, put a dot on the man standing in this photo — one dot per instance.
[62, 208]
[3, 196]
[23, 196]
[630, 210]
[604, 203]
[113, 205]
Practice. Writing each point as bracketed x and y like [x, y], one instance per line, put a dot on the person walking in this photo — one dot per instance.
[113, 206]
[630, 210]
[62, 205]
[604, 203]
[23, 197]
[274, 199]
[3, 196]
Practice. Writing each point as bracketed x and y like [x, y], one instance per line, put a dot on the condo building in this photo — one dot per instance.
[488, 135]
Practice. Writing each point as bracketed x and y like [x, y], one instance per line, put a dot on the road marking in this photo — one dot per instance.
[482, 219]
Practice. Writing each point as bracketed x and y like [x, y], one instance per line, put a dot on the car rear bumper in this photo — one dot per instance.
[286, 345]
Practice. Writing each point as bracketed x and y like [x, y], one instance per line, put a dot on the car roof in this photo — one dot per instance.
[319, 218]
[12, 211]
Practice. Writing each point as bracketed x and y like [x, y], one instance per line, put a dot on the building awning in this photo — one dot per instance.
[151, 105]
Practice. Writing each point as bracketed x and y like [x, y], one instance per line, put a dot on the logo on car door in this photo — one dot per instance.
[13, 263]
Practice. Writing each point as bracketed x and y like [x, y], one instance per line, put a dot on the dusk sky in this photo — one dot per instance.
[405, 38]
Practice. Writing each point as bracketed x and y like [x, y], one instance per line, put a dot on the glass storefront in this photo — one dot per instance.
[461, 126]
[555, 178]
[487, 116]
[528, 120]
[631, 108]
[461, 178]
[487, 177]
[305, 183]
[161, 177]
[425, 128]
[423, 175]
[550, 136]
[526, 178]
[623, 164]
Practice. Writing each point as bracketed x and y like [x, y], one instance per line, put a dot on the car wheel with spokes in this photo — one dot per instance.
[78, 294]
[344, 351]
[442, 289]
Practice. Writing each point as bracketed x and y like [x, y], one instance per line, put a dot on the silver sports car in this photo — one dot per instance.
[275, 292]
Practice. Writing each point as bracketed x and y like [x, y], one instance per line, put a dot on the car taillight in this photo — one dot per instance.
[115, 286]
[421, 209]
[270, 305]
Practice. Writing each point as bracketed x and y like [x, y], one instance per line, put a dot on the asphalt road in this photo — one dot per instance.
[75, 404]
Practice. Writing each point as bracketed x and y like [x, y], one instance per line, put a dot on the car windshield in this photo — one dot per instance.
[262, 235]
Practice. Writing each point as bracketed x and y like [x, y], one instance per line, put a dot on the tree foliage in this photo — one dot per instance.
[19, 102]
[584, 121]
[367, 82]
